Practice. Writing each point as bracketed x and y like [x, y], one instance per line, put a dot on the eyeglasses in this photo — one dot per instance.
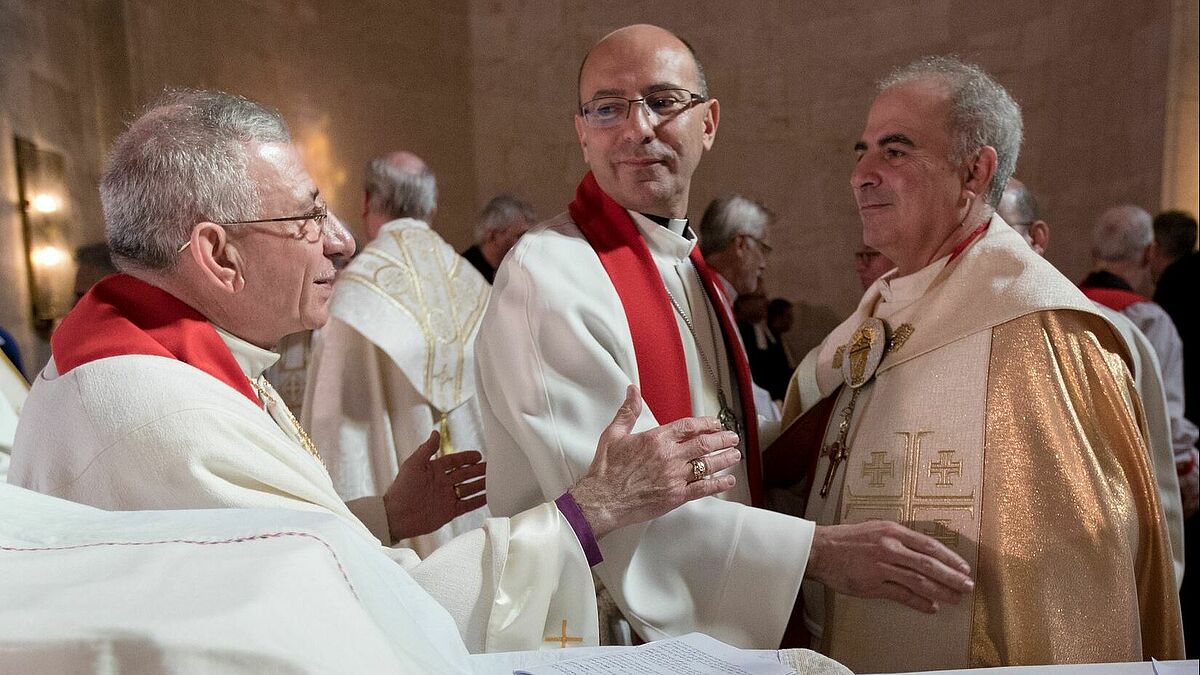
[766, 248]
[320, 218]
[608, 111]
[865, 256]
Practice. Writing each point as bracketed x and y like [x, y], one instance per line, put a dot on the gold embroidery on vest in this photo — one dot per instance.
[878, 469]
[945, 468]
[911, 506]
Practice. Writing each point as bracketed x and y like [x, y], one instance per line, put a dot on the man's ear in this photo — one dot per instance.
[741, 244]
[980, 171]
[712, 117]
[581, 132]
[217, 258]
[1039, 233]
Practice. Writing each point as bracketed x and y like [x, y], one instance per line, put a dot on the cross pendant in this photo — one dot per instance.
[837, 453]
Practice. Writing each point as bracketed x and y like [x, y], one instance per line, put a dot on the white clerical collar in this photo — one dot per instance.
[903, 290]
[252, 359]
[675, 239]
[402, 224]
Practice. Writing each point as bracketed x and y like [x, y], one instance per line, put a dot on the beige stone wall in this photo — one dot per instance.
[61, 86]
[484, 90]
[353, 79]
[795, 80]
[1181, 151]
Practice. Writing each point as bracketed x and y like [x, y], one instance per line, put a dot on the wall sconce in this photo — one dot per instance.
[45, 211]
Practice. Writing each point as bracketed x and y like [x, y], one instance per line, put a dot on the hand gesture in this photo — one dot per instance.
[428, 492]
[637, 477]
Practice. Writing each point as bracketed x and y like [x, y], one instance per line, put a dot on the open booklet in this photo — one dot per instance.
[692, 654]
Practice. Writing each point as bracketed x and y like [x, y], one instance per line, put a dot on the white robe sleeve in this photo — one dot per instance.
[1156, 406]
[554, 358]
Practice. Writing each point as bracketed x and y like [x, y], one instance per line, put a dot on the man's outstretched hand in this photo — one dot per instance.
[637, 477]
[428, 492]
[882, 559]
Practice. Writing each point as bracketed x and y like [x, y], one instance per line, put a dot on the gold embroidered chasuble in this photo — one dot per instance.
[410, 274]
[1005, 425]
[396, 361]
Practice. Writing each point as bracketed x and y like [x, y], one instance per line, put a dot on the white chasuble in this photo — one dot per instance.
[396, 361]
[1002, 421]
[139, 432]
[554, 358]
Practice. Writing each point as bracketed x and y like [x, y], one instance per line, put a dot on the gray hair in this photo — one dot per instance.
[1024, 204]
[500, 212]
[395, 192]
[727, 217]
[982, 113]
[183, 161]
[1122, 233]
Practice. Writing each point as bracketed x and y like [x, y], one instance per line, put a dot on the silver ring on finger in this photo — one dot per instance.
[457, 494]
[699, 469]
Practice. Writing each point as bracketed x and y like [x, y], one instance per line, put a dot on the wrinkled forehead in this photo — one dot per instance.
[921, 105]
[279, 173]
[632, 68]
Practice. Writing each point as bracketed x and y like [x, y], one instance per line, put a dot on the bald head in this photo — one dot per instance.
[1122, 234]
[405, 162]
[644, 155]
[643, 38]
[1018, 205]
[1019, 208]
[397, 185]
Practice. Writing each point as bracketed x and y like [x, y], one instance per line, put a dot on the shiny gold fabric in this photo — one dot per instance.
[1074, 563]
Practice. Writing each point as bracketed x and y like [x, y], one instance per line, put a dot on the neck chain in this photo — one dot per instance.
[858, 360]
[266, 395]
[727, 417]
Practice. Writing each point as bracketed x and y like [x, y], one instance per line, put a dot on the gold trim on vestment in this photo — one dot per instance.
[445, 329]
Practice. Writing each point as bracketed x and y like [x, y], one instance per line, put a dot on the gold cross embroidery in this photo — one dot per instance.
[940, 531]
[562, 638]
[878, 468]
[910, 506]
[945, 468]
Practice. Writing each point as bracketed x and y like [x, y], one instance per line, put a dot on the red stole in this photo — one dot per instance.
[1116, 299]
[123, 316]
[657, 345]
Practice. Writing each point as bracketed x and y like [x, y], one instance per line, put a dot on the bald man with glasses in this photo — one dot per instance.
[615, 292]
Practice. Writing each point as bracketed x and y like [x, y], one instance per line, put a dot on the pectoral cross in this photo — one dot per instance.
[838, 450]
[837, 454]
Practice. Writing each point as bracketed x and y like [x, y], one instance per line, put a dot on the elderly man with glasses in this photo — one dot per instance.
[154, 397]
[615, 292]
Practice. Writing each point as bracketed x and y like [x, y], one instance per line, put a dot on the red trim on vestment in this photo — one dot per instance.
[741, 370]
[122, 316]
[962, 245]
[657, 344]
[1114, 298]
